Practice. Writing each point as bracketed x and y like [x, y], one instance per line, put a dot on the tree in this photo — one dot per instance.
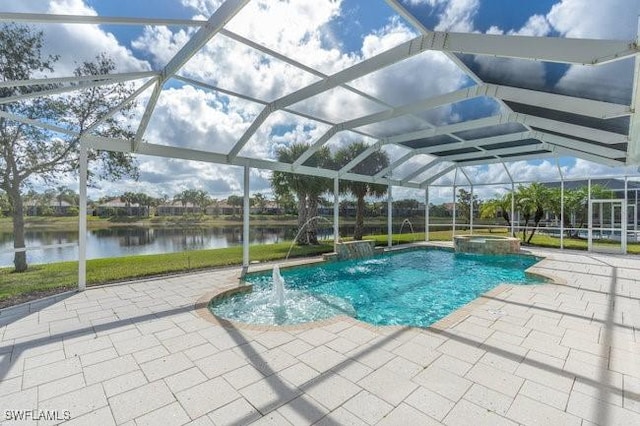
[371, 165]
[235, 201]
[27, 151]
[532, 201]
[64, 194]
[489, 209]
[260, 201]
[464, 203]
[307, 189]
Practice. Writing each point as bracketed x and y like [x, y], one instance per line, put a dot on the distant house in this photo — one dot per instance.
[117, 207]
[177, 209]
[53, 208]
[270, 207]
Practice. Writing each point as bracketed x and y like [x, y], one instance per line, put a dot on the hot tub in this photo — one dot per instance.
[486, 244]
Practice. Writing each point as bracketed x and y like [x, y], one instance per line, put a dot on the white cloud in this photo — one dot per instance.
[615, 19]
[73, 42]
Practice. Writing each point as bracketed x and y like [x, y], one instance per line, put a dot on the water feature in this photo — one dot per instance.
[301, 229]
[277, 293]
[413, 233]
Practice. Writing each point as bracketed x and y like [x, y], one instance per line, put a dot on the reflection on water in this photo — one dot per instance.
[133, 240]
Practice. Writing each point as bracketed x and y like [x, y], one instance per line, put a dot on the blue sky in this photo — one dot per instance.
[327, 36]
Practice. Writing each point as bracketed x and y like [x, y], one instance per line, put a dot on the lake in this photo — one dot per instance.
[134, 240]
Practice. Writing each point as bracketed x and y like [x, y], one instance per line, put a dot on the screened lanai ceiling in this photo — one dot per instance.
[434, 101]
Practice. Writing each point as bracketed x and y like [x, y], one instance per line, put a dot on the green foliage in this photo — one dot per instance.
[369, 166]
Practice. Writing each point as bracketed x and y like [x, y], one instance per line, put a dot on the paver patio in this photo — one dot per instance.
[140, 353]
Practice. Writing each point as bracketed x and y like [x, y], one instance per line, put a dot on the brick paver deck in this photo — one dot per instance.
[141, 353]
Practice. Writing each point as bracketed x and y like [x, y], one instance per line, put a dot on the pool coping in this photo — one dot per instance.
[201, 306]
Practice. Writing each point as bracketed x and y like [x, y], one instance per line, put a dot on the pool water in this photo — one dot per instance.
[415, 288]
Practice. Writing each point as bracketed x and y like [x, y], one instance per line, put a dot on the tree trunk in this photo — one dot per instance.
[302, 218]
[17, 209]
[312, 227]
[357, 233]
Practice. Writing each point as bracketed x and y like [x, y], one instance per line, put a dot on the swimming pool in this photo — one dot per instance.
[415, 288]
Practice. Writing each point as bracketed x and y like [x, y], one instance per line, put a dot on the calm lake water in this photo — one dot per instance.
[130, 240]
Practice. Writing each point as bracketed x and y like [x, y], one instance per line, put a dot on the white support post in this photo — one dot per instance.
[471, 212]
[590, 218]
[426, 214]
[513, 209]
[82, 217]
[389, 215]
[245, 222]
[624, 217]
[562, 213]
[453, 223]
[336, 213]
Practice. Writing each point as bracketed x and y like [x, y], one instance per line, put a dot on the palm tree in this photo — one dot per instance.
[371, 165]
[307, 189]
[489, 209]
[532, 201]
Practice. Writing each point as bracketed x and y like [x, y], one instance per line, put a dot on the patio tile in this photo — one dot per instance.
[206, 397]
[98, 356]
[495, 379]
[186, 341]
[296, 347]
[101, 416]
[403, 367]
[124, 383]
[220, 363]
[169, 415]
[465, 351]
[48, 373]
[489, 399]
[600, 412]
[316, 336]
[272, 419]
[243, 376]
[44, 359]
[453, 365]
[269, 393]
[332, 390]
[108, 369]
[443, 382]
[404, 414]
[303, 410]
[368, 407]
[529, 412]
[388, 385]
[12, 385]
[150, 354]
[417, 353]
[238, 412]
[78, 403]
[545, 394]
[145, 399]
[185, 379]
[322, 358]
[87, 346]
[202, 351]
[465, 413]
[166, 366]
[340, 417]
[430, 403]
[60, 386]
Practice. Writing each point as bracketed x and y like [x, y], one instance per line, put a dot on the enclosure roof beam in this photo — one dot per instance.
[121, 145]
[509, 159]
[36, 123]
[438, 175]
[126, 76]
[583, 132]
[46, 18]
[506, 169]
[219, 19]
[587, 156]
[581, 106]
[422, 105]
[511, 137]
[633, 149]
[434, 162]
[496, 152]
[122, 104]
[389, 169]
[396, 54]
[85, 84]
[579, 146]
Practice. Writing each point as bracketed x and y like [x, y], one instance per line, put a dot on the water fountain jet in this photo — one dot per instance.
[277, 292]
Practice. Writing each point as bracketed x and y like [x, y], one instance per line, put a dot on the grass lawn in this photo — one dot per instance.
[42, 279]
